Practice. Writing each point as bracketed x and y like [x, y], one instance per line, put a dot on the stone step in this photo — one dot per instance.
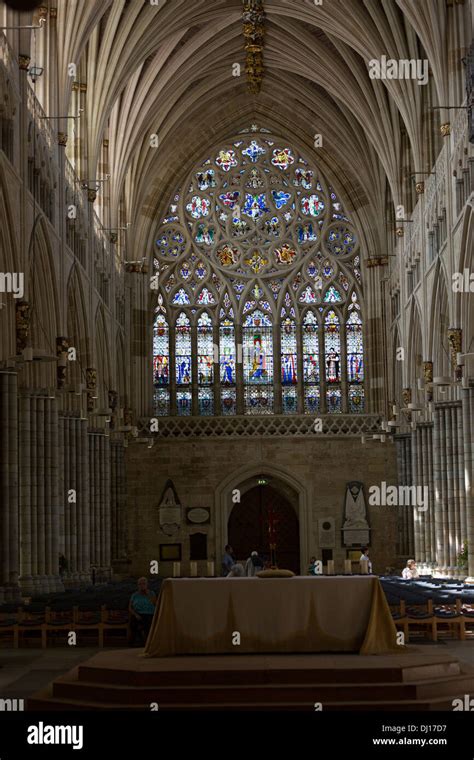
[261, 670]
[70, 686]
[44, 701]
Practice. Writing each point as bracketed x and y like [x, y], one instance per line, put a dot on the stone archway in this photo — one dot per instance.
[291, 495]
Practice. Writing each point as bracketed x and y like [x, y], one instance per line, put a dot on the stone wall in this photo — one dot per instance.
[205, 472]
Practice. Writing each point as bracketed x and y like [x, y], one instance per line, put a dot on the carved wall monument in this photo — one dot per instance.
[355, 529]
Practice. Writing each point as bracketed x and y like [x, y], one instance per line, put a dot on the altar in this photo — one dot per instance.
[272, 615]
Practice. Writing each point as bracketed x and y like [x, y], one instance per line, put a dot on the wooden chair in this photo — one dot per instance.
[449, 618]
[114, 620]
[34, 619]
[400, 618]
[467, 611]
[422, 616]
[60, 620]
[89, 618]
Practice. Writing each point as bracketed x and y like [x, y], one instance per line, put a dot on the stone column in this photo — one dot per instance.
[117, 497]
[9, 546]
[85, 546]
[415, 480]
[405, 515]
[107, 506]
[468, 439]
[40, 536]
[26, 577]
[33, 496]
[428, 515]
[438, 437]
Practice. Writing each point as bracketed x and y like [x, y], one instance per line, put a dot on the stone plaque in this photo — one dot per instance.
[352, 537]
[327, 533]
[197, 515]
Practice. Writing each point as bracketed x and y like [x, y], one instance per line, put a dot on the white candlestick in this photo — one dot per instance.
[348, 566]
[210, 569]
[330, 567]
[176, 569]
[364, 567]
[194, 569]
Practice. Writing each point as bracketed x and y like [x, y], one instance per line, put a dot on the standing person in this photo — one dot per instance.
[253, 565]
[141, 609]
[228, 560]
[311, 567]
[365, 555]
[410, 572]
[62, 564]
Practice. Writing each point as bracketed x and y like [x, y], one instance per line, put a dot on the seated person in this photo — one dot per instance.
[228, 560]
[253, 565]
[141, 609]
[410, 572]
[236, 571]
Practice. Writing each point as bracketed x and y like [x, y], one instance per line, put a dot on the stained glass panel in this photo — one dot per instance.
[332, 347]
[355, 349]
[161, 362]
[205, 349]
[183, 363]
[227, 353]
[289, 400]
[289, 361]
[206, 402]
[310, 349]
[356, 399]
[334, 401]
[258, 363]
[312, 399]
[184, 403]
[228, 401]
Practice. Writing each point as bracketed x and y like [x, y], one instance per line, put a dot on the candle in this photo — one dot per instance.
[348, 567]
[210, 569]
[194, 569]
[364, 567]
[330, 567]
[176, 569]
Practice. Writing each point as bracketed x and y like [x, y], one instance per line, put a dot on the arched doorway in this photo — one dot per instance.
[248, 526]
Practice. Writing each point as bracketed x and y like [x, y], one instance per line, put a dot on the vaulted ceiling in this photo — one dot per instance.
[167, 69]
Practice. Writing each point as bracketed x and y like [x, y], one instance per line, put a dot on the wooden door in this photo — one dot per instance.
[248, 527]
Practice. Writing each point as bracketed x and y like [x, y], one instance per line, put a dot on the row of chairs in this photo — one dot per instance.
[455, 620]
[46, 624]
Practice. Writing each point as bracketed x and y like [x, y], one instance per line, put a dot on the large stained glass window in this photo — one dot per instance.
[227, 364]
[289, 366]
[332, 358]
[258, 238]
[205, 364]
[310, 343]
[258, 363]
[161, 365]
[183, 362]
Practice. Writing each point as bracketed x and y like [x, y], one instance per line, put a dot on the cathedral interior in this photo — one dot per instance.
[236, 297]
